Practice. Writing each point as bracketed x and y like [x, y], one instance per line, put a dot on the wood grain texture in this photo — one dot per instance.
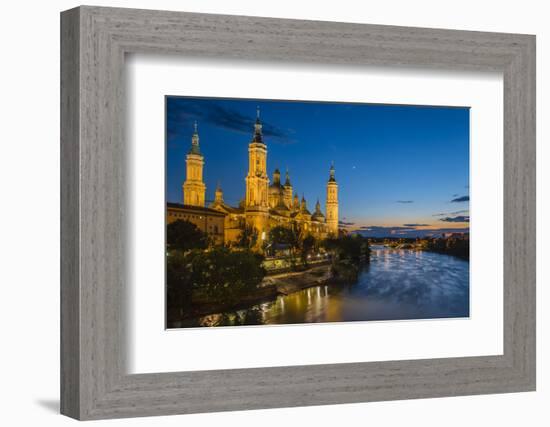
[94, 240]
[70, 315]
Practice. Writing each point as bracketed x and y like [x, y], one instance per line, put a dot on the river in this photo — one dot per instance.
[397, 284]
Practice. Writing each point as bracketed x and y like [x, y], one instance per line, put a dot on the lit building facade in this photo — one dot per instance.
[208, 220]
[265, 204]
[332, 203]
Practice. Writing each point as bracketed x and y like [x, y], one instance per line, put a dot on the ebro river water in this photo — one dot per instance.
[397, 284]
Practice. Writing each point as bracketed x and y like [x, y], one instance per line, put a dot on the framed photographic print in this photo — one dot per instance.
[278, 259]
[325, 212]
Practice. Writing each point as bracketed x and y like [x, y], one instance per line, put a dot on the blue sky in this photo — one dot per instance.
[402, 170]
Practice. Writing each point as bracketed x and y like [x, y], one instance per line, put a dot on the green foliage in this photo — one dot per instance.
[251, 316]
[344, 271]
[221, 274]
[248, 237]
[353, 248]
[291, 236]
[350, 252]
[450, 246]
[285, 235]
[184, 236]
[307, 246]
[179, 287]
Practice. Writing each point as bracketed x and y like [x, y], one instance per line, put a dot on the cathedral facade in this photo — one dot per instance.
[266, 204]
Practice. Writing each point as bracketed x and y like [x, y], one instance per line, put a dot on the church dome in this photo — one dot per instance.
[275, 189]
[318, 216]
[282, 209]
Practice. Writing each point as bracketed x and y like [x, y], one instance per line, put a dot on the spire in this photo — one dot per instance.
[287, 179]
[195, 148]
[331, 177]
[218, 197]
[303, 205]
[258, 127]
[277, 177]
[317, 206]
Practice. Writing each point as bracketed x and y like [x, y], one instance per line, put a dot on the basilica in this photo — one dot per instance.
[266, 204]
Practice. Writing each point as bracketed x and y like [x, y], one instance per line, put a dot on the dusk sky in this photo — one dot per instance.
[401, 170]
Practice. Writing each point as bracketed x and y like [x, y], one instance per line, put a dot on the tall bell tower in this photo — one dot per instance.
[194, 188]
[332, 203]
[257, 182]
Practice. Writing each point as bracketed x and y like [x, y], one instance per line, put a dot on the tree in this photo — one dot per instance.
[349, 253]
[308, 243]
[451, 246]
[224, 275]
[184, 235]
[281, 235]
[353, 248]
[290, 236]
[218, 275]
[248, 237]
[179, 287]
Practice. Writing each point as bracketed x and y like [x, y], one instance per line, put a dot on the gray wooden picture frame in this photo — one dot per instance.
[94, 382]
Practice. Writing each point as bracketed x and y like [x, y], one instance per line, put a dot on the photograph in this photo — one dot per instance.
[284, 212]
[316, 213]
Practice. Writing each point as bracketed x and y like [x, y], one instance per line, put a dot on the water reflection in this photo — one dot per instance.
[397, 284]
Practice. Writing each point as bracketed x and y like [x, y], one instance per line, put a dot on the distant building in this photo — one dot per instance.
[264, 205]
[207, 220]
[456, 235]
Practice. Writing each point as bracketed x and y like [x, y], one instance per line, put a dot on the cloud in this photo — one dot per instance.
[345, 224]
[416, 225]
[405, 201]
[461, 199]
[181, 112]
[462, 211]
[461, 218]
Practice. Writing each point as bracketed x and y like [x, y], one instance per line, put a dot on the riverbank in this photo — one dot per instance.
[395, 285]
[456, 247]
[270, 288]
[462, 253]
[296, 281]
[204, 307]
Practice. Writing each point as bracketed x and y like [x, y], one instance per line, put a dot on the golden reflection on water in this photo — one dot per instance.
[398, 284]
